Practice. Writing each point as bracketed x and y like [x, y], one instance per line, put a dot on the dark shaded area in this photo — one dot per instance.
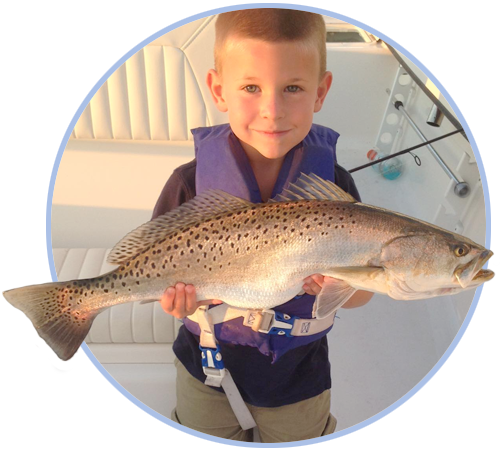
[18, 183]
[12, 393]
[20, 260]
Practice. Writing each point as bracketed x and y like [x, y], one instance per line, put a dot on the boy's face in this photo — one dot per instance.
[270, 91]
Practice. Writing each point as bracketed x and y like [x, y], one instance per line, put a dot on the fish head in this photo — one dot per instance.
[427, 264]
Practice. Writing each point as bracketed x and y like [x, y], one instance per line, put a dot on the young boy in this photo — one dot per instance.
[270, 77]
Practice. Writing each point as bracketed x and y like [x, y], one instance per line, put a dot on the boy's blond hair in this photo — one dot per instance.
[271, 25]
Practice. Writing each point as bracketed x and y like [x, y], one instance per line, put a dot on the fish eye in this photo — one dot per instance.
[461, 250]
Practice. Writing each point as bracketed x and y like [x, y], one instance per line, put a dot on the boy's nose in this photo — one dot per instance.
[272, 107]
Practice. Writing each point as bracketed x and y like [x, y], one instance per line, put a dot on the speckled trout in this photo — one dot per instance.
[258, 255]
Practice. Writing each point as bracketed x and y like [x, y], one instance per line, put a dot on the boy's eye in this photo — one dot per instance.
[251, 88]
[292, 89]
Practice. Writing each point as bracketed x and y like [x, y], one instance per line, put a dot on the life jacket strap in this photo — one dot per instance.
[217, 374]
[267, 321]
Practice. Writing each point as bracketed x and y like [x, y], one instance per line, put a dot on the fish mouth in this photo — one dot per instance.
[473, 274]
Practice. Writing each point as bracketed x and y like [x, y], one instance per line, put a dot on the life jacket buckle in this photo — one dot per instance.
[213, 366]
[274, 322]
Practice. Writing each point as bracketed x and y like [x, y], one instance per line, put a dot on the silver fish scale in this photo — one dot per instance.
[253, 257]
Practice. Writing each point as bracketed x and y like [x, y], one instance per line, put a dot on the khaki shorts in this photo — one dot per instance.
[208, 411]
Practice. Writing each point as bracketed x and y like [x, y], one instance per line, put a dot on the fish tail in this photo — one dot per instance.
[59, 320]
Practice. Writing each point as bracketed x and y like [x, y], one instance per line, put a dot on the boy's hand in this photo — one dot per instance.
[314, 283]
[180, 301]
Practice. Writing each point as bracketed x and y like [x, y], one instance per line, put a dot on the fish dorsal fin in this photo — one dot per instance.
[200, 208]
[313, 187]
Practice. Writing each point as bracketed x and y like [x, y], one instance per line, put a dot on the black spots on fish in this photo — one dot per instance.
[138, 283]
[124, 284]
[146, 259]
[153, 265]
[200, 246]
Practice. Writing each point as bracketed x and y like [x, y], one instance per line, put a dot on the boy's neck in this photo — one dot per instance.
[266, 172]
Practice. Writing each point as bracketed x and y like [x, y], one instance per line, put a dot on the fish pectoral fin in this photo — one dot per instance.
[333, 295]
[356, 274]
[147, 301]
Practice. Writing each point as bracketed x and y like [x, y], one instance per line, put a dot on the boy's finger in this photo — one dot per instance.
[167, 300]
[190, 299]
[311, 287]
[180, 298]
[318, 279]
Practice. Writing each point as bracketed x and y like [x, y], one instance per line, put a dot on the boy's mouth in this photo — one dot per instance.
[273, 133]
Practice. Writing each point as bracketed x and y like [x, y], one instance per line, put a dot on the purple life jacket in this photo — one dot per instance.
[222, 164]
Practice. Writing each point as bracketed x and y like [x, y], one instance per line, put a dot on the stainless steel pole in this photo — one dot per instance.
[461, 189]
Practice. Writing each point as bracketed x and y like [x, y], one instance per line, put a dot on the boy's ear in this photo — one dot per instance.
[323, 88]
[214, 83]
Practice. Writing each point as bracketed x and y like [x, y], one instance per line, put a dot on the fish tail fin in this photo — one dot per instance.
[61, 322]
